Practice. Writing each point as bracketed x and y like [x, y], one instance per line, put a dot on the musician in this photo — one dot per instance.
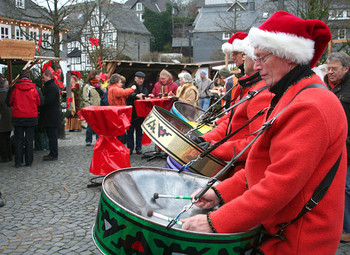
[242, 113]
[291, 158]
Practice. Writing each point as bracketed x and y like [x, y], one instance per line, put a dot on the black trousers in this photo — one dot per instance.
[52, 134]
[24, 137]
[5, 146]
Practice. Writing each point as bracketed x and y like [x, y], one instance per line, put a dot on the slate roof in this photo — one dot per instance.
[123, 20]
[32, 12]
[154, 5]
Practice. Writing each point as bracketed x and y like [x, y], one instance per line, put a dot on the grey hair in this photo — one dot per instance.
[341, 56]
[186, 77]
[114, 78]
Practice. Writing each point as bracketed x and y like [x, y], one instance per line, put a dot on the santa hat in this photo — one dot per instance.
[292, 38]
[235, 43]
[76, 73]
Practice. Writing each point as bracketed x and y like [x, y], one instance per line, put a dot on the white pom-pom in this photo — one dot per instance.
[227, 48]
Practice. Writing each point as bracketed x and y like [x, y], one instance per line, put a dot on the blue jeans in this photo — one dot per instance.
[88, 134]
[130, 137]
[346, 226]
[204, 103]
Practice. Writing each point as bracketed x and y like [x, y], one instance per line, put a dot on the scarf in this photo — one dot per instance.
[291, 78]
[95, 83]
[164, 88]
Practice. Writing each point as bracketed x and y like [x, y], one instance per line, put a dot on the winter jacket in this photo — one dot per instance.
[50, 113]
[5, 113]
[283, 169]
[342, 91]
[117, 95]
[241, 114]
[132, 97]
[92, 96]
[204, 85]
[159, 88]
[188, 93]
[24, 98]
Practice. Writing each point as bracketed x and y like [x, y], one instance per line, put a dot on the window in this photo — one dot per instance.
[5, 31]
[46, 39]
[139, 7]
[140, 16]
[20, 4]
[19, 34]
[33, 34]
[338, 14]
[226, 36]
[341, 33]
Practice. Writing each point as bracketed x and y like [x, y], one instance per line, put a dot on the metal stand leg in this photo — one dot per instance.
[94, 182]
[157, 153]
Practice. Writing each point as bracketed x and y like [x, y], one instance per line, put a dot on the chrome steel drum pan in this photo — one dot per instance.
[168, 132]
[124, 225]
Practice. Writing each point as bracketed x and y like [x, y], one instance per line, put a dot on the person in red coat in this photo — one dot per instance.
[165, 86]
[291, 158]
[24, 98]
[116, 94]
[242, 113]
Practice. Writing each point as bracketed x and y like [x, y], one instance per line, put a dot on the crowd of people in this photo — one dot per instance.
[301, 114]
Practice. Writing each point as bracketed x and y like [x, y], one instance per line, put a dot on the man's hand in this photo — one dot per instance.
[197, 223]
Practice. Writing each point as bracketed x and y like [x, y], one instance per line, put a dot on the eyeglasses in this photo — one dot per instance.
[261, 59]
[334, 69]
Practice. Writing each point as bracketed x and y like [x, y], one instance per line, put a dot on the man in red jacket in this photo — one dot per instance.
[242, 113]
[304, 141]
[24, 98]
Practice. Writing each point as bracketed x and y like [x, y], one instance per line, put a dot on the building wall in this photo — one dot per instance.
[134, 45]
[205, 45]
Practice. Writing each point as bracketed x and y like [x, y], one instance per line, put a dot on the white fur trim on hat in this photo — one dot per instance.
[227, 48]
[298, 49]
[248, 48]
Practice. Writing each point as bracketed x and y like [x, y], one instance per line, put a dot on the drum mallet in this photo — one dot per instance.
[161, 216]
[156, 196]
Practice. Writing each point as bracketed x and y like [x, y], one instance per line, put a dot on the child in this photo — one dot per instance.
[116, 93]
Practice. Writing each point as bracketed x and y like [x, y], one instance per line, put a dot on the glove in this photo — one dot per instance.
[204, 145]
[197, 139]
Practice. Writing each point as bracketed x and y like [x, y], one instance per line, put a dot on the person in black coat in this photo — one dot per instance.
[50, 113]
[140, 92]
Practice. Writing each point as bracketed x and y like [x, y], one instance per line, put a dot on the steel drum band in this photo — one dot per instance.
[123, 227]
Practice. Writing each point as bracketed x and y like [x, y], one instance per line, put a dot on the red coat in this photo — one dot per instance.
[243, 113]
[159, 88]
[284, 167]
[118, 95]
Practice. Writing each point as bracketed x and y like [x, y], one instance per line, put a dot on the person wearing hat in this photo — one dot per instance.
[73, 123]
[303, 144]
[242, 113]
[230, 81]
[233, 46]
[140, 92]
[184, 70]
[204, 85]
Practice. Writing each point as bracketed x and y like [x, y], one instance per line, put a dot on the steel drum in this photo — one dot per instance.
[168, 132]
[190, 114]
[124, 226]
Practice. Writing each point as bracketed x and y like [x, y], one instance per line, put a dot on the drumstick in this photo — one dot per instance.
[156, 196]
[161, 216]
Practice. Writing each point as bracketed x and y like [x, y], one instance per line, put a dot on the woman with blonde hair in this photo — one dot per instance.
[165, 86]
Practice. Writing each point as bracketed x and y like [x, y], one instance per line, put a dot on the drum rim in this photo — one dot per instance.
[161, 225]
[181, 135]
[181, 102]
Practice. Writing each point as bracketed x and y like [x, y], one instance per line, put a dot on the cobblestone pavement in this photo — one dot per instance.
[49, 209]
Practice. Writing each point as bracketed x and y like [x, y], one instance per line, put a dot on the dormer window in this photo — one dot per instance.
[20, 4]
[139, 7]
